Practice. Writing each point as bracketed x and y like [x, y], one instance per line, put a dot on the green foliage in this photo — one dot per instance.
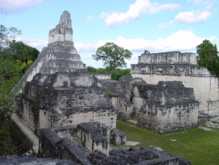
[196, 145]
[22, 52]
[15, 58]
[115, 74]
[208, 56]
[112, 55]
[110, 94]
[146, 52]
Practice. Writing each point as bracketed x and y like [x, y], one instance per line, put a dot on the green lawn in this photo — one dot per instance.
[198, 146]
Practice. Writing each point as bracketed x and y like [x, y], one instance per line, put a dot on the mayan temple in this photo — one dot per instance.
[59, 91]
[59, 56]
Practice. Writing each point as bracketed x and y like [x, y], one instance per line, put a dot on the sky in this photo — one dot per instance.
[136, 25]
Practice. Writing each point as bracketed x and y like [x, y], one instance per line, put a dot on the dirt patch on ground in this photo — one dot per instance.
[205, 128]
[130, 143]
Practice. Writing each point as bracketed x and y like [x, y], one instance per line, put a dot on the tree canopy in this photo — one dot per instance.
[15, 58]
[7, 34]
[208, 56]
[112, 55]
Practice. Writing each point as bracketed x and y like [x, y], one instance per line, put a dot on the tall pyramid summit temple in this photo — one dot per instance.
[59, 56]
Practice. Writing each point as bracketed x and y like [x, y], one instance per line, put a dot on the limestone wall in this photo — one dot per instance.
[103, 76]
[176, 66]
[63, 31]
[94, 136]
[206, 89]
[52, 146]
[174, 57]
[165, 107]
[64, 99]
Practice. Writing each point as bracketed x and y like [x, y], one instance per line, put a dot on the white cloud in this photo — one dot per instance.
[188, 17]
[207, 4]
[85, 47]
[135, 10]
[204, 10]
[90, 19]
[38, 44]
[192, 16]
[17, 5]
[184, 40]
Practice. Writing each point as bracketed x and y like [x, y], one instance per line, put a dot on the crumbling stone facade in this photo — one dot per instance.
[163, 108]
[137, 156]
[117, 137]
[166, 107]
[85, 137]
[94, 136]
[177, 66]
[33, 161]
[63, 99]
[53, 145]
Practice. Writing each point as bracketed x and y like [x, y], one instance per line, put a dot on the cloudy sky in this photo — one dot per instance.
[137, 25]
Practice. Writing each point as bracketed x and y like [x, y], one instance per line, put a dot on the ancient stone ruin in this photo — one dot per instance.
[177, 66]
[59, 91]
[163, 108]
[59, 56]
[74, 112]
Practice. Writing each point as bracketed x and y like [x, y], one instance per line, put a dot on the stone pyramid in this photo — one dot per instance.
[59, 56]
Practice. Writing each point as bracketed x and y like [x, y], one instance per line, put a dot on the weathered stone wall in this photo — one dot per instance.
[63, 31]
[33, 161]
[117, 137]
[176, 66]
[65, 99]
[163, 108]
[103, 76]
[166, 107]
[52, 146]
[137, 156]
[174, 57]
[94, 136]
[121, 94]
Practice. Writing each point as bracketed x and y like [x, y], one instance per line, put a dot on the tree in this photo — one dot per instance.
[208, 56]
[7, 34]
[112, 55]
[146, 52]
[21, 51]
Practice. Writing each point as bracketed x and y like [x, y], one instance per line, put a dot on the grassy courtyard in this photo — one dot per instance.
[198, 146]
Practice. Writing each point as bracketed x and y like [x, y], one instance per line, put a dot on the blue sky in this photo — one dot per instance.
[155, 25]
